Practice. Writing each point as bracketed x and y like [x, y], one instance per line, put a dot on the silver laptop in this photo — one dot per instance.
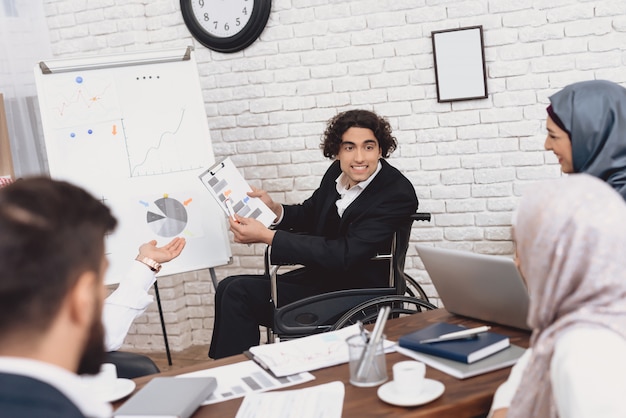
[479, 286]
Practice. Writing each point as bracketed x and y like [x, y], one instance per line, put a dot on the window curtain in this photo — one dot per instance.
[24, 41]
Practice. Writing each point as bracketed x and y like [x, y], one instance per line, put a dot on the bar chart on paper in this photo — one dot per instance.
[132, 129]
[238, 379]
[230, 190]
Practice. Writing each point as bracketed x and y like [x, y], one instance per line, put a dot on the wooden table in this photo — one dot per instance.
[462, 398]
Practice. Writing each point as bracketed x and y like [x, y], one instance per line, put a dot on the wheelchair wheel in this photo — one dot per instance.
[367, 312]
[414, 289]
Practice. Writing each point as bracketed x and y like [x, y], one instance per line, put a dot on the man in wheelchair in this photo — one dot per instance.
[352, 216]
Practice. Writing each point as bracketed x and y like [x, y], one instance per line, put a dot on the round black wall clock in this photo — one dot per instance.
[226, 25]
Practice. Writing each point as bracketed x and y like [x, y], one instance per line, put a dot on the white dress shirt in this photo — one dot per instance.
[126, 303]
[349, 195]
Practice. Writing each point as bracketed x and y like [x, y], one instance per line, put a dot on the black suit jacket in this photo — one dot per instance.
[337, 253]
[25, 397]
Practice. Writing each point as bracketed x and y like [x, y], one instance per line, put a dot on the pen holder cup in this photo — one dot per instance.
[367, 363]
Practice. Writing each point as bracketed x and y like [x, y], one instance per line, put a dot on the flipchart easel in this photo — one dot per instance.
[132, 129]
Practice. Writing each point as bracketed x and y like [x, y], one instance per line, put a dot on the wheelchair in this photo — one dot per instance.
[337, 309]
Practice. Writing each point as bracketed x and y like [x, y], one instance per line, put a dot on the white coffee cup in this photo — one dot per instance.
[105, 380]
[408, 377]
[108, 373]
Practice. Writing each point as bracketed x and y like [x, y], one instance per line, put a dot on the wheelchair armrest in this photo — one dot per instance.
[271, 271]
[421, 216]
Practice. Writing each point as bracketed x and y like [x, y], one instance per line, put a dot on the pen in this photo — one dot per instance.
[370, 349]
[229, 208]
[457, 335]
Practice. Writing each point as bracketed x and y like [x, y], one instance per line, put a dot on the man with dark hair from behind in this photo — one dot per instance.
[52, 266]
[131, 299]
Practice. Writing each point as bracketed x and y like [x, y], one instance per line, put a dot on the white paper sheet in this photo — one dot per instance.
[316, 401]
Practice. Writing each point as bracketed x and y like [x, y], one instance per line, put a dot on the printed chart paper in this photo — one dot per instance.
[229, 188]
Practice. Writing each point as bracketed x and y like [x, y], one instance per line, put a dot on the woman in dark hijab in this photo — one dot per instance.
[587, 130]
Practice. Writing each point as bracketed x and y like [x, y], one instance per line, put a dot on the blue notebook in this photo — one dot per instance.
[465, 351]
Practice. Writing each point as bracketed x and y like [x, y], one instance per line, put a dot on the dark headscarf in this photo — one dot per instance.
[594, 115]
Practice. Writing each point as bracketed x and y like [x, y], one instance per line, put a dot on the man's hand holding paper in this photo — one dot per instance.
[250, 231]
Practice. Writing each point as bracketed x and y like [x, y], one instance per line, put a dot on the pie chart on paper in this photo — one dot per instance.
[171, 219]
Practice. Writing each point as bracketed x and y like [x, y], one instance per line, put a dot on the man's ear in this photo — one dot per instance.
[82, 297]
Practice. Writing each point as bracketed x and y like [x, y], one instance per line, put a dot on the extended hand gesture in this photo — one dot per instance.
[165, 253]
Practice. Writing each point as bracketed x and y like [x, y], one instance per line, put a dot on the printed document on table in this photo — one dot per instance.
[240, 379]
[317, 401]
[308, 353]
[225, 183]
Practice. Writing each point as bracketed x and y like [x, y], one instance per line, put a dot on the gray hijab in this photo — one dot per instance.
[594, 115]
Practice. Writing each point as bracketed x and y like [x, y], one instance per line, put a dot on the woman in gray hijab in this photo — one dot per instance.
[587, 130]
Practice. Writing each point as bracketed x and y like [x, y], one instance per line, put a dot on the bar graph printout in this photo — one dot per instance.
[239, 379]
[225, 182]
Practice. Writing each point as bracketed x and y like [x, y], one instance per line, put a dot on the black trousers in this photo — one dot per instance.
[242, 304]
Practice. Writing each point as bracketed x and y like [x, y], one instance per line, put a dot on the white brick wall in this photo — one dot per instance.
[266, 106]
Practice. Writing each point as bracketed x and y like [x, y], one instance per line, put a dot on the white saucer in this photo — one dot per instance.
[431, 391]
[121, 388]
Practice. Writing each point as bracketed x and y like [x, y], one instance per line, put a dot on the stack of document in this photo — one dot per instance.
[458, 351]
[455, 342]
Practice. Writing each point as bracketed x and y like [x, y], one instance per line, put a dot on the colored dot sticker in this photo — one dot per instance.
[73, 135]
[79, 79]
[90, 131]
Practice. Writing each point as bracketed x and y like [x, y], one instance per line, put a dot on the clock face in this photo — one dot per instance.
[222, 18]
[226, 25]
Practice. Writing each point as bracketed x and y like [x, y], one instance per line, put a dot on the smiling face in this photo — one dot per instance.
[558, 141]
[358, 154]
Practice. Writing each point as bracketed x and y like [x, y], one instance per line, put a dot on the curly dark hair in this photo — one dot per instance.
[357, 118]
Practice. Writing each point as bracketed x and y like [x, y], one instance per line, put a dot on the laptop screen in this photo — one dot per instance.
[480, 286]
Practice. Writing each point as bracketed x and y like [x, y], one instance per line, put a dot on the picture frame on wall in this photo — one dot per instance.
[460, 72]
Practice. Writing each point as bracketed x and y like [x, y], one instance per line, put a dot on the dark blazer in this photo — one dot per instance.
[336, 252]
[25, 397]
